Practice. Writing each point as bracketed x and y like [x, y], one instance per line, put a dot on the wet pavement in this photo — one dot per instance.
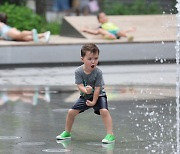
[143, 114]
[143, 118]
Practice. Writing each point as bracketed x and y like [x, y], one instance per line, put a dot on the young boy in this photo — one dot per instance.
[108, 29]
[90, 83]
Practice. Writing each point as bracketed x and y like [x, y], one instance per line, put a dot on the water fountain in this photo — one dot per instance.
[177, 47]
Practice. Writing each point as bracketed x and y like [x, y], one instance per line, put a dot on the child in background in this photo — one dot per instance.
[108, 29]
[89, 80]
[12, 34]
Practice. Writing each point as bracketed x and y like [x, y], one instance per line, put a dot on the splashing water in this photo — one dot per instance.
[177, 47]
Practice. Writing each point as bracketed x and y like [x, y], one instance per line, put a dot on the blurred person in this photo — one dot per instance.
[108, 29]
[81, 7]
[12, 34]
[93, 6]
[76, 6]
[84, 7]
[62, 6]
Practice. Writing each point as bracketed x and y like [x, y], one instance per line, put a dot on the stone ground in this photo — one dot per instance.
[141, 99]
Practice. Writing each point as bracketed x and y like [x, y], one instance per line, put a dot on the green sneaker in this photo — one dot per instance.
[64, 135]
[109, 139]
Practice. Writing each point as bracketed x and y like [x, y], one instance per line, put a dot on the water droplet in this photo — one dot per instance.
[55, 150]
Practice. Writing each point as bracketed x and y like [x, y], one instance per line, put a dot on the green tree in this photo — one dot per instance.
[22, 17]
[135, 8]
[17, 2]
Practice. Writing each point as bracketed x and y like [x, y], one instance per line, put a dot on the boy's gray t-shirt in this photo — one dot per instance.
[94, 79]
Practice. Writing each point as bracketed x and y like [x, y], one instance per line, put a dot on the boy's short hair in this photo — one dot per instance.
[98, 15]
[89, 47]
[3, 17]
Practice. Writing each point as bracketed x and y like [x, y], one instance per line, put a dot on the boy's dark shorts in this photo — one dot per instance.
[100, 104]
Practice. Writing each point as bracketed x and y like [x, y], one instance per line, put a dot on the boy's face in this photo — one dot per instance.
[90, 60]
[103, 18]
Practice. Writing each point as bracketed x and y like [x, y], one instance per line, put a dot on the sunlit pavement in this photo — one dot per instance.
[145, 74]
[142, 102]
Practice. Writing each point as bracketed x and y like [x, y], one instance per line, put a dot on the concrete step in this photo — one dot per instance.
[154, 40]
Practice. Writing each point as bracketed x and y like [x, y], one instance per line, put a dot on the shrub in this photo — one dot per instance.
[54, 27]
[17, 2]
[138, 7]
[21, 17]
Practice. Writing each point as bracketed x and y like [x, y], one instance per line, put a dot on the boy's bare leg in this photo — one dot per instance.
[20, 35]
[16, 34]
[107, 120]
[132, 29]
[40, 35]
[124, 34]
[27, 35]
[70, 119]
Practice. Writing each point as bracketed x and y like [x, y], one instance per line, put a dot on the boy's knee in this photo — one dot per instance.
[104, 112]
[72, 112]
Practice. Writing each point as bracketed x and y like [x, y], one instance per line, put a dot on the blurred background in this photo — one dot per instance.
[48, 14]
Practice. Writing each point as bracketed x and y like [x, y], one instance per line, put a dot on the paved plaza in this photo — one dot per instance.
[141, 101]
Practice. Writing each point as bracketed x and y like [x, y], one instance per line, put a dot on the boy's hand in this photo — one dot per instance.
[89, 89]
[89, 103]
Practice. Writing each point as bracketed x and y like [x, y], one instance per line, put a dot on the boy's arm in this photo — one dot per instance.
[95, 97]
[82, 88]
[91, 31]
[85, 90]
